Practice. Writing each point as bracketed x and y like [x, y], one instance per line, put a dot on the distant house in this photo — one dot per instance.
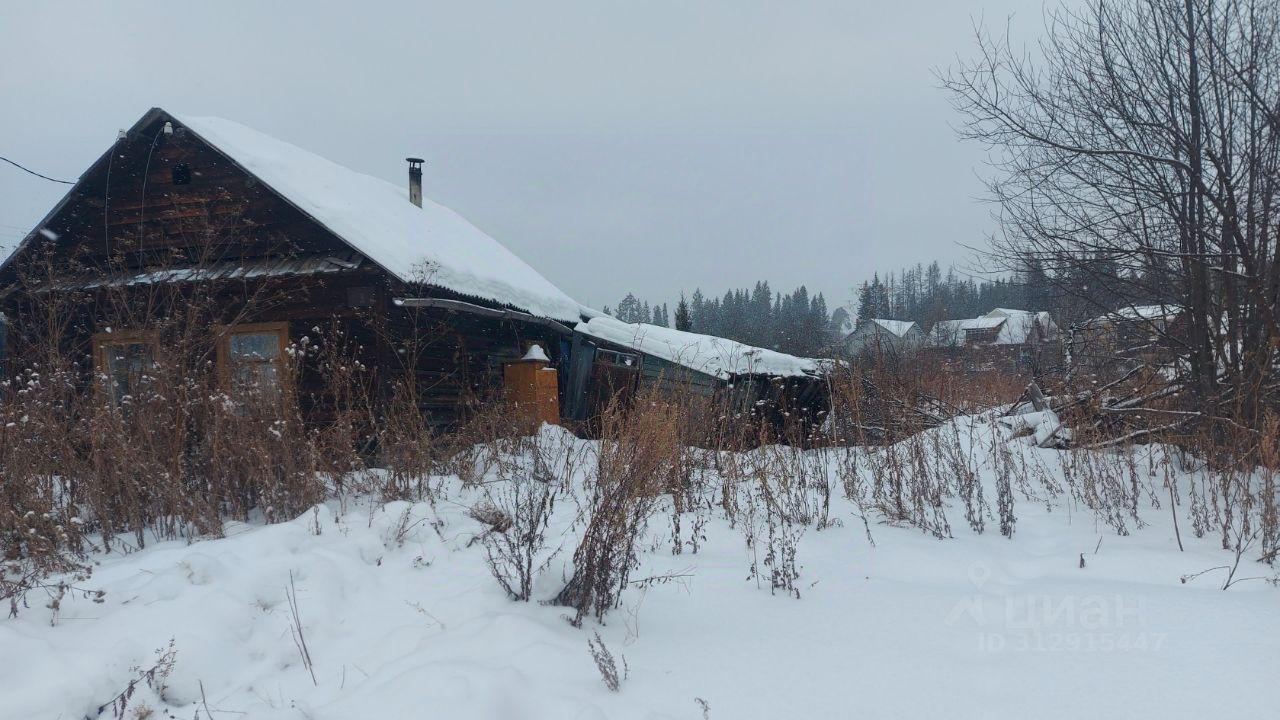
[205, 207]
[1003, 340]
[1117, 341]
[880, 338]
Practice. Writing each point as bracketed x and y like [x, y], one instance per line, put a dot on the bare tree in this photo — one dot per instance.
[1136, 151]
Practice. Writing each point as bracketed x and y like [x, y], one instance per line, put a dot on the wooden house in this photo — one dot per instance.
[1114, 343]
[207, 208]
[1003, 341]
[206, 205]
[879, 338]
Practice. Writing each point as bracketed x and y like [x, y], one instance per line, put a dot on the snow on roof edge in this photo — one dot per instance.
[1138, 312]
[719, 357]
[432, 245]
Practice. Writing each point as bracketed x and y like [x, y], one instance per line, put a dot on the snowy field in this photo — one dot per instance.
[401, 618]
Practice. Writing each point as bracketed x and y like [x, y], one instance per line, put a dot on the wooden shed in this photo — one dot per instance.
[1112, 344]
[612, 358]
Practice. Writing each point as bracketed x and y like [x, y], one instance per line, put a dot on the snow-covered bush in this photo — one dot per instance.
[41, 527]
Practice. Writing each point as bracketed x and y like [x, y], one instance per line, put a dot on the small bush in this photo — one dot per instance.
[636, 460]
[610, 674]
[517, 510]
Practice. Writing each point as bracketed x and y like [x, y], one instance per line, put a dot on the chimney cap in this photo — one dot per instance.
[415, 161]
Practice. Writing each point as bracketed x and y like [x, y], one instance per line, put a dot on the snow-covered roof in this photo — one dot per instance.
[705, 353]
[431, 244]
[1021, 323]
[1138, 312]
[952, 332]
[953, 326]
[897, 327]
[1015, 327]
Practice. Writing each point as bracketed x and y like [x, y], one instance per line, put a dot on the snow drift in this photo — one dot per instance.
[401, 617]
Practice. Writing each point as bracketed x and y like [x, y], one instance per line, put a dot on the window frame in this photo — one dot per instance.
[225, 362]
[618, 358]
[981, 336]
[101, 340]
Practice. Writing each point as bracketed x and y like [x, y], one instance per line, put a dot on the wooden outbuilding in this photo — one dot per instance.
[611, 357]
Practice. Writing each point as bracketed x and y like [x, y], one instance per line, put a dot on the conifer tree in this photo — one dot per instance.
[684, 321]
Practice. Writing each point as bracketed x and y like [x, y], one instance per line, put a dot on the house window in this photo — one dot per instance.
[621, 359]
[181, 174]
[125, 361]
[252, 358]
[981, 335]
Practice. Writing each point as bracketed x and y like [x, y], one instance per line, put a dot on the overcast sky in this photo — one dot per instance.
[650, 147]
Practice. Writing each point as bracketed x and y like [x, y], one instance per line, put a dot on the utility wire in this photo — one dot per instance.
[33, 172]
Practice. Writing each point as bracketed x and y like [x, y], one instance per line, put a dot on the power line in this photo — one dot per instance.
[33, 172]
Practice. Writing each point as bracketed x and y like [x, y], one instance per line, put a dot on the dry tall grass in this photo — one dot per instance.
[184, 452]
[636, 460]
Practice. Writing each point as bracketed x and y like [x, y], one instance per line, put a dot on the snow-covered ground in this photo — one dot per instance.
[402, 619]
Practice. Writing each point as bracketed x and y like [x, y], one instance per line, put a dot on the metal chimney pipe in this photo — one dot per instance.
[415, 180]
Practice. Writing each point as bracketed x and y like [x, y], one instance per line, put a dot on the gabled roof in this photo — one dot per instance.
[431, 245]
[1022, 323]
[706, 354]
[899, 328]
[1014, 327]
